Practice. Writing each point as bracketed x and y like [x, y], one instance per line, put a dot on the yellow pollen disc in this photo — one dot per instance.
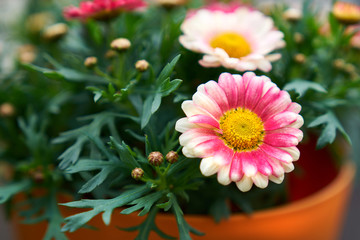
[242, 129]
[235, 45]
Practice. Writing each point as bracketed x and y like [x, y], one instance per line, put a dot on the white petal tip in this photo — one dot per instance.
[244, 184]
[260, 180]
[208, 166]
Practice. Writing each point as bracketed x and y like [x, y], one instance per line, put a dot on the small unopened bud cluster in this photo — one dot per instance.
[120, 44]
[155, 158]
[27, 53]
[7, 110]
[90, 62]
[300, 58]
[172, 157]
[292, 14]
[141, 65]
[298, 37]
[137, 173]
[339, 63]
[55, 32]
[110, 54]
[37, 174]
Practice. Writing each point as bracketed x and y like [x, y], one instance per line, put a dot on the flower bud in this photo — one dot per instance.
[110, 54]
[137, 173]
[120, 44]
[350, 68]
[300, 58]
[172, 157]
[37, 174]
[155, 158]
[141, 65]
[7, 110]
[6, 171]
[27, 53]
[292, 14]
[298, 37]
[37, 21]
[90, 62]
[339, 63]
[55, 32]
[170, 3]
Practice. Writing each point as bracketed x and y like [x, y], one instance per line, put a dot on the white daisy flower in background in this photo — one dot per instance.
[237, 38]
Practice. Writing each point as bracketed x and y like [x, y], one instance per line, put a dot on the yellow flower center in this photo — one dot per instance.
[243, 130]
[235, 45]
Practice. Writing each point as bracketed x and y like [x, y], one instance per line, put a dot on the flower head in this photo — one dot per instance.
[354, 30]
[102, 9]
[239, 38]
[244, 128]
[346, 12]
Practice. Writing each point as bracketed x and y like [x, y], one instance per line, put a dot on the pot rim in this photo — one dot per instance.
[343, 179]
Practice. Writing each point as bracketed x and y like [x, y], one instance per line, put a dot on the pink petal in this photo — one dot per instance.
[276, 153]
[204, 120]
[240, 85]
[224, 155]
[278, 105]
[228, 84]
[267, 99]
[261, 160]
[217, 94]
[294, 107]
[248, 77]
[182, 125]
[209, 148]
[280, 120]
[204, 101]
[190, 109]
[195, 135]
[293, 151]
[288, 130]
[236, 172]
[277, 168]
[248, 164]
[253, 92]
[281, 140]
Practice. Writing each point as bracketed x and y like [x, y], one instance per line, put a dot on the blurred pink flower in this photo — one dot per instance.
[346, 12]
[355, 31]
[101, 9]
[244, 128]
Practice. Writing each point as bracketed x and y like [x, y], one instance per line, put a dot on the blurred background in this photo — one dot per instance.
[10, 10]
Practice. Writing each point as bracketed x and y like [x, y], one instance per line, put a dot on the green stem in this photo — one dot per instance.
[104, 75]
[119, 69]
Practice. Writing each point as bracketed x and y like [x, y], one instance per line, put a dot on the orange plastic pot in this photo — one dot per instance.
[318, 216]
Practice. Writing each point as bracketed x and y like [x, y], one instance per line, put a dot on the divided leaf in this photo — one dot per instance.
[331, 125]
[301, 86]
[107, 206]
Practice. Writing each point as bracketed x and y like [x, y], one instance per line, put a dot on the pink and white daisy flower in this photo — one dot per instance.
[102, 9]
[244, 128]
[239, 38]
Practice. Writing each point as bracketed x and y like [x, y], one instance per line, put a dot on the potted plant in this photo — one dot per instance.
[191, 113]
